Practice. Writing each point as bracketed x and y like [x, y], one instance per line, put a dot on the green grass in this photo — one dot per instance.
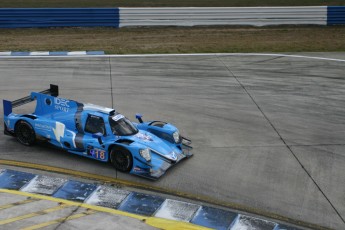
[176, 39]
[165, 3]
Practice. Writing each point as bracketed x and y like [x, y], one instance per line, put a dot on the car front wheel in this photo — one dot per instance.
[121, 159]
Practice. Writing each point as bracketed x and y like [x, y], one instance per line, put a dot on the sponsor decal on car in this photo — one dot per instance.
[137, 169]
[43, 127]
[61, 104]
[140, 170]
[96, 152]
[118, 117]
[143, 137]
[59, 130]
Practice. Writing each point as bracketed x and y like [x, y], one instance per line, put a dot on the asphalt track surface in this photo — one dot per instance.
[268, 131]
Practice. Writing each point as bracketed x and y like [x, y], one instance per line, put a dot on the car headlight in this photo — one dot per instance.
[176, 137]
[145, 153]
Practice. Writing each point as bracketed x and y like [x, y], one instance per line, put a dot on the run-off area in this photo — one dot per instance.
[268, 131]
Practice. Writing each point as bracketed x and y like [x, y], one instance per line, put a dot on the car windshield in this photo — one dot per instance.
[121, 126]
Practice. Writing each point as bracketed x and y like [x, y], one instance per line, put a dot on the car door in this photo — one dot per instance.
[94, 125]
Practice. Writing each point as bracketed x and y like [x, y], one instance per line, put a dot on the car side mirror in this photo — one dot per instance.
[99, 137]
[139, 117]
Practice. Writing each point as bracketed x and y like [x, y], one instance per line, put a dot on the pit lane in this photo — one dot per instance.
[268, 131]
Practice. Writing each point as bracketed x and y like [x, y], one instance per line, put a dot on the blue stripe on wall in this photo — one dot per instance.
[20, 53]
[58, 17]
[336, 15]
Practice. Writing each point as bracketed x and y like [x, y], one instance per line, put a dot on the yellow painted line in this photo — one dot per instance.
[63, 219]
[153, 221]
[33, 214]
[201, 198]
[5, 206]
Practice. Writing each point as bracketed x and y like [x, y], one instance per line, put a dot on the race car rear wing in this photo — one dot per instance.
[8, 105]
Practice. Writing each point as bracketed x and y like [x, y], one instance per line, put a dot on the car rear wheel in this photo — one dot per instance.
[25, 134]
[121, 159]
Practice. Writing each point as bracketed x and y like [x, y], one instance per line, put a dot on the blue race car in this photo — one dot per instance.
[146, 149]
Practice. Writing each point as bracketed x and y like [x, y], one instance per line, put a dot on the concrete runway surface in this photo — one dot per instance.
[268, 131]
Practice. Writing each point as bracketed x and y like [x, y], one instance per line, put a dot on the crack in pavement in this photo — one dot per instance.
[66, 218]
[282, 139]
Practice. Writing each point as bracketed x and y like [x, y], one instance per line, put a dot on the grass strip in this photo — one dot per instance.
[177, 39]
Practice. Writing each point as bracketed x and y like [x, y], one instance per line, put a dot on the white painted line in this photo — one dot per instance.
[282, 55]
[228, 54]
[177, 210]
[76, 53]
[39, 53]
[177, 55]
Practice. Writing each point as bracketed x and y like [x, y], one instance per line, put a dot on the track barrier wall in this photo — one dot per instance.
[58, 17]
[336, 15]
[170, 16]
[253, 16]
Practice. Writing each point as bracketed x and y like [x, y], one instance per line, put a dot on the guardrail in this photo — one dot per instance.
[336, 15]
[58, 17]
[191, 16]
[254, 16]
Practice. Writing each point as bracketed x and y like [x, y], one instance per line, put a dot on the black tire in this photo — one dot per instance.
[25, 134]
[121, 159]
